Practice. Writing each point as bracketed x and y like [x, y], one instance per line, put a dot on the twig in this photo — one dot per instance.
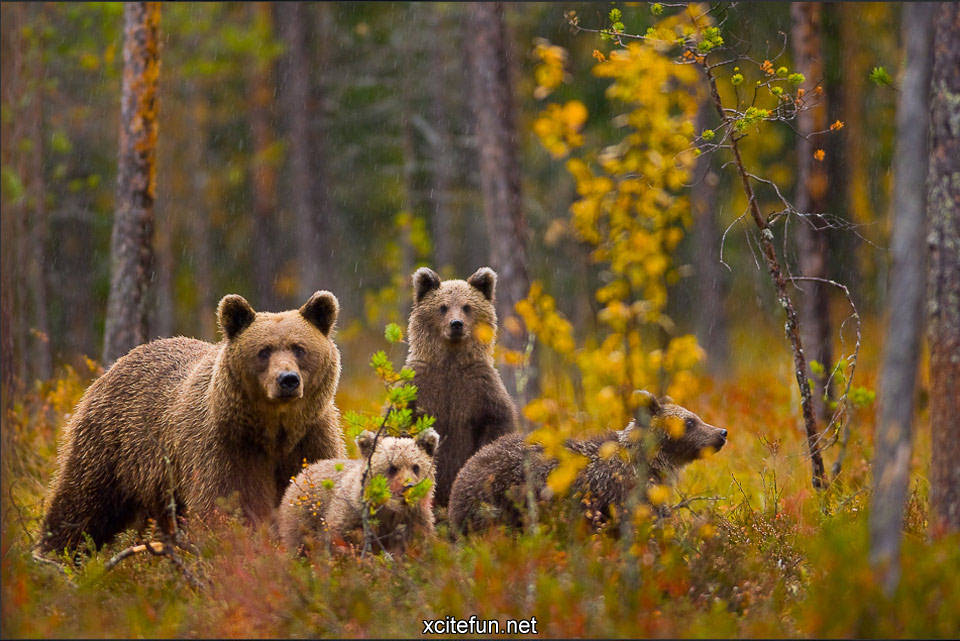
[156, 548]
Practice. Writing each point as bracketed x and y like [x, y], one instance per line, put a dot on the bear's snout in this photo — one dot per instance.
[721, 439]
[288, 383]
[456, 328]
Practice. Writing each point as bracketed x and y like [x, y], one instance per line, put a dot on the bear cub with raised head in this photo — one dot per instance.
[324, 503]
[452, 331]
[492, 487]
[193, 421]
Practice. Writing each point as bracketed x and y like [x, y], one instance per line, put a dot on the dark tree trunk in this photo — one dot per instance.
[131, 250]
[811, 192]
[711, 319]
[40, 362]
[13, 236]
[499, 168]
[296, 96]
[263, 169]
[329, 230]
[443, 154]
[943, 202]
[198, 224]
[891, 467]
[308, 191]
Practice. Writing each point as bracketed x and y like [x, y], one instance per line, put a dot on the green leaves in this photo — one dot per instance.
[880, 77]
[376, 492]
[393, 333]
[423, 422]
[417, 492]
[402, 394]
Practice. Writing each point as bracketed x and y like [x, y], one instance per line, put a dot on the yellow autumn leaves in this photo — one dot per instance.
[632, 212]
[558, 127]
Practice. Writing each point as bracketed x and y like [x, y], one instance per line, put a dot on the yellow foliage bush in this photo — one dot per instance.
[633, 213]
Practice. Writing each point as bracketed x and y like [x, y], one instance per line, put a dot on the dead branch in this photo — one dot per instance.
[156, 548]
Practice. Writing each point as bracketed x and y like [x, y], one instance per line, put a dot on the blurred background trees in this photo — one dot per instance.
[338, 146]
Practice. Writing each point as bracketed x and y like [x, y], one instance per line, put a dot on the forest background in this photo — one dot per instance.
[305, 146]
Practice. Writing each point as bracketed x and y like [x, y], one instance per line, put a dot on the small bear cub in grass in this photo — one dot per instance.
[325, 502]
[492, 487]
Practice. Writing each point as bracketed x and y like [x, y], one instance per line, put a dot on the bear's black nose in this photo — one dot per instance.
[456, 325]
[723, 433]
[288, 381]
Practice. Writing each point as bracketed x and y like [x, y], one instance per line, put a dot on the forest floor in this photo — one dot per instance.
[758, 554]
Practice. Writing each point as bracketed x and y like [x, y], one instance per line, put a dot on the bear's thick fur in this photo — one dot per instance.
[493, 486]
[324, 503]
[452, 331]
[189, 421]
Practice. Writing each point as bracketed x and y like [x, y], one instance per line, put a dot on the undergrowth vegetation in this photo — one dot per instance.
[750, 549]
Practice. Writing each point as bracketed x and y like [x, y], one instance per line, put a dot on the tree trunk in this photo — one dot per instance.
[711, 319]
[263, 168]
[329, 230]
[811, 192]
[891, 467]
[198, 224]
[308, 190]
[40, 360]
[943, 202]
[443, 158]
[296, 96]
[13, 58]
[131, 251]
[499, 170]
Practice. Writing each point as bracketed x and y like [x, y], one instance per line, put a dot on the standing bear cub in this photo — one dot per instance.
[494, 484]
[324, 503]
[189, 421]
[452, 331]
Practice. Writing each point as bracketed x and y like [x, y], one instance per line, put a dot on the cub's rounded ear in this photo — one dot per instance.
[365, 442]
[647, 401]
[234, 314]
[666, 400]
[484, 279]
[321, 310]
[428, 440]
[425, 280]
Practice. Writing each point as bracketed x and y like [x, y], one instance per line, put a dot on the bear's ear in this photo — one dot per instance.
[365, 441]
[321, 310]
[484, 279]
[648, 401]
[425, 280]
[428, 440]
[666, 400]
[234, 314]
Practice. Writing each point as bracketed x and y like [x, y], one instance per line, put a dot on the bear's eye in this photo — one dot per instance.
[443, 309]
[466, 309]
[416, 469]
[392, 470]
[264, 353]
[298, 350]
[689, 423]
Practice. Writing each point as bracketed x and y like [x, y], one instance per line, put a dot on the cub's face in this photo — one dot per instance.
[687, 436]
[286, 356]
[454, 312]
[683, 436]
[404, 462]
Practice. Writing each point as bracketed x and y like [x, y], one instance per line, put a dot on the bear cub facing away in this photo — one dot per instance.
[324, 503]
[452, 331]
[492, 487]
[193, 421]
